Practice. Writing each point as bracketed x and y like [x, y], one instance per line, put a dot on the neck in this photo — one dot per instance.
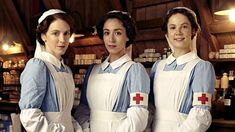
[178, 53]
[114, 57]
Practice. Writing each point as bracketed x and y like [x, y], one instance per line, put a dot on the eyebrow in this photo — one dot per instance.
[115, 29]
[180, 24]
[57, 30]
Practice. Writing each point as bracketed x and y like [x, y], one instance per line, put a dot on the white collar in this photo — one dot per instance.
[52, 59]
[182, 59]
[117, 63]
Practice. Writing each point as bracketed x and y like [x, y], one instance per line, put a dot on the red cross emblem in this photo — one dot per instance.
[138, 98]
[203, 99]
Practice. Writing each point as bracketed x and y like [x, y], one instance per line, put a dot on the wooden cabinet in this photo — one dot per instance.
[223, 65]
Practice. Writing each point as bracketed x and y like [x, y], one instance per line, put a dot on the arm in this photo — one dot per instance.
[137, 82]
[34, 87]
[202, 83]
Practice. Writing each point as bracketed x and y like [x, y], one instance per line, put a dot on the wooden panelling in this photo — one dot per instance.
[151, 34]
[147, 24]
[161, 10]
[223, 39]
[87, 41]
[52, 4]
[140, 14]
[90, 13]
[12, 14]
[2, 24]
[171, 5]
[151, 16]
[144, 3]
[206, 20]
[151, 12]
[202, 47]
[222, 27]
[233, 37]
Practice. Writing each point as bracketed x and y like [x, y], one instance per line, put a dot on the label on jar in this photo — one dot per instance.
[227, 102]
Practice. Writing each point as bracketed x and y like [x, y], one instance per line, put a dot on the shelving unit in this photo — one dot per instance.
[7, 91]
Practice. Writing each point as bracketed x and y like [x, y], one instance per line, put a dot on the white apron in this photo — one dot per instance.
[102, 93]
[169, 92]
[64, 85]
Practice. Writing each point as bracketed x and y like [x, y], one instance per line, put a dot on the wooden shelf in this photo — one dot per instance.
[11, 85]
[87, 41]
[222, 60]
[224, 123]
[80, 66]
[15, 55]
[7, 106]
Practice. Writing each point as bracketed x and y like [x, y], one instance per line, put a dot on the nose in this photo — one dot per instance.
[61, 38]
[179, 31]
[111, 37]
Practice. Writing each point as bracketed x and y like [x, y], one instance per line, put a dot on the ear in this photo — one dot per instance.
[194, 33]
[43, 36]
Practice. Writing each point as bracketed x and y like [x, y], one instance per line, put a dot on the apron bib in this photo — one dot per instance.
[169, 92]
[64, 85]
[102, 93]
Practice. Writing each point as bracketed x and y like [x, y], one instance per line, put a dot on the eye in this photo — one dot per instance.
[172, 27]
[185, 26]
[105, 33]
[67, 33]
[118, 33]
[56, 33]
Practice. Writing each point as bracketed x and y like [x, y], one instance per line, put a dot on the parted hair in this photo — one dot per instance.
[186, 12]
[42, 27]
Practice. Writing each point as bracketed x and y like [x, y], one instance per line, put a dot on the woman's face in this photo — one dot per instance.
[115, 37]
[57, 38]
[179, 32]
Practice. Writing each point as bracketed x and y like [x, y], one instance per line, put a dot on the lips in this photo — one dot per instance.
[179, 39]
[61, 46]
[112, 46]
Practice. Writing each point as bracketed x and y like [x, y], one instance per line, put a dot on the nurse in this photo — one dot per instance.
[47, 86]
[183, 83]
[115, 91]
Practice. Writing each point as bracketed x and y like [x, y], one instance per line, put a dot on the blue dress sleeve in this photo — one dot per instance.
[203, 79]
[33, 84]
[138, 79]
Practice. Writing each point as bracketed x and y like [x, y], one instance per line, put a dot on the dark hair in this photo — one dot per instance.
[42, 27]
[184, 11]
[126, 20]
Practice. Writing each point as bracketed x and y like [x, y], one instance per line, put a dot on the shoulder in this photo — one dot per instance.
[203, 66]
[137, 68]
[35, 65]
[35, 62]
[154, 67]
